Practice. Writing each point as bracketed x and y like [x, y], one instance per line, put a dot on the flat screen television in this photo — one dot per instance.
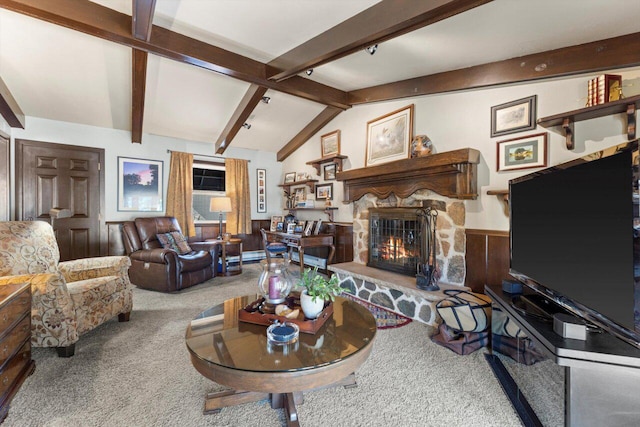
[575, 237]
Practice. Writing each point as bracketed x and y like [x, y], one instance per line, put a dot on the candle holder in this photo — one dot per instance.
[274, 283]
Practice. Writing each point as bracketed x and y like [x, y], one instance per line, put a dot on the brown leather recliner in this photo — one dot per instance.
[156, 268]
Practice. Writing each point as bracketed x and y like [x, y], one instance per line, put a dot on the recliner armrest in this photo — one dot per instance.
[157, 256]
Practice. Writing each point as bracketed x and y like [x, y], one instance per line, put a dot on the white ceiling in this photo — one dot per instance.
[61, 74]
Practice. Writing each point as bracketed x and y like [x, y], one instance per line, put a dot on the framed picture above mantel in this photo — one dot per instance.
[389, 136]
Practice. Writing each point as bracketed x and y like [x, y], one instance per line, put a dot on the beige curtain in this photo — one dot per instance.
[237, 189]
[180, 191]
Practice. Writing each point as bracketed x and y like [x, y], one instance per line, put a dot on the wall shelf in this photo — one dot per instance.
[502, 195]
[326, 209]
[566, 120]
[311, 183]
[337, 159]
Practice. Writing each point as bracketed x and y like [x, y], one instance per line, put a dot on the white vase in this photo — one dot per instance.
[310, 308]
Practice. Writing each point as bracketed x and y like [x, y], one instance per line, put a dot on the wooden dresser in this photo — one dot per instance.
[15, 341]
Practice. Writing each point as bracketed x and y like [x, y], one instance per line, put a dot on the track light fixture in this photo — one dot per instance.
[266, 99]
[246, 126]
[309, 71]
[371, 49]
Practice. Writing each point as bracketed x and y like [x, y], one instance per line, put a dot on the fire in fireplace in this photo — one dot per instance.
[394, 239]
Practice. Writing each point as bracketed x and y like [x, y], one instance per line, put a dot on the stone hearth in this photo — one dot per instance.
[393, 291]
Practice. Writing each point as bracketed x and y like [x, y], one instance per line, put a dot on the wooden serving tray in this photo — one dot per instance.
[309, 326]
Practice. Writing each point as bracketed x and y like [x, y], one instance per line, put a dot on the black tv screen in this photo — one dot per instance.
[574, 237]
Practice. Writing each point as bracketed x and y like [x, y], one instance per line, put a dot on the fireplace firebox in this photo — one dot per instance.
[394, 239]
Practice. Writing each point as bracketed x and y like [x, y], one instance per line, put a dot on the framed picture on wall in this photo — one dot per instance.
[514, 116]
[389, 136]
[330, 143]
[330, 172]
[140, 185]
[262, 190]
[524, 152]
[289, 177]
[324, 192]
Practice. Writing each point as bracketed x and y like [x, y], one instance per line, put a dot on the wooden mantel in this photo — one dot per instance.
[452, 174]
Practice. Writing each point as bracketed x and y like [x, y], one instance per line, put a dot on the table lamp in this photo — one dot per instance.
[220, 205]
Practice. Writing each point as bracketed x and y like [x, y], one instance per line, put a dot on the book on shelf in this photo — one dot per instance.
[604, 88]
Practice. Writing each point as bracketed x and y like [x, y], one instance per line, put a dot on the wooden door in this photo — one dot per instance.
[4, 178]
[62, 176]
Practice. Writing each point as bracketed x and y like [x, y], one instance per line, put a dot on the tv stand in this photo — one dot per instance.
[601, 375]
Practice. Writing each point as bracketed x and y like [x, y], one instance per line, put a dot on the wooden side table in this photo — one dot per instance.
[236, 268]
[15, 341]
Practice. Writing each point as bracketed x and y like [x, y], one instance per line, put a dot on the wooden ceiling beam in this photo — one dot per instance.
[616, 52]
[108, 24]
[141, 24]
[138, 86]
[142, 18]
[9, 108]
[383, 21]
[248, 103]
[309, 130]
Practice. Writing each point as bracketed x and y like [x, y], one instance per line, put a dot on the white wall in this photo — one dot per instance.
[462, 119]
[118, 143]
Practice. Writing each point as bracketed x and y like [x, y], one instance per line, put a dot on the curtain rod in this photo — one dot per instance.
[205, 155]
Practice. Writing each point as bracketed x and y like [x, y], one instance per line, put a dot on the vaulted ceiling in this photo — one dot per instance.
[198, 70]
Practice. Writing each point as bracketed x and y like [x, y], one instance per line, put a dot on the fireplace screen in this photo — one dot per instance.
[394, 240]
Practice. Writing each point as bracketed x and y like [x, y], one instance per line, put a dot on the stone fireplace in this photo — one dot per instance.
[440, 181]
[394, 239]
[450, 236]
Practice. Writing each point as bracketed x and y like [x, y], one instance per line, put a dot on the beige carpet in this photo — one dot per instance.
[139, 374]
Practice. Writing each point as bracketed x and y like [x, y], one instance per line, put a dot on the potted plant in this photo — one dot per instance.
[317, 290]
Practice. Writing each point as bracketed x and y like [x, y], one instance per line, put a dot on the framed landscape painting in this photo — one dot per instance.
[514, 116]
[388, 137]
[330, 143]
[140, 185]
[524, 152]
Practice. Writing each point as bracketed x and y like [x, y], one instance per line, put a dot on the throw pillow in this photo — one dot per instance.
[174, 240]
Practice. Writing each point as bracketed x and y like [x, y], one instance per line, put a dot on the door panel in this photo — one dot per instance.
[5, 182]
[68, 177]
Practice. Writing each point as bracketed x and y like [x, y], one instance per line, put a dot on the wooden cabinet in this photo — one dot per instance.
[15, 341]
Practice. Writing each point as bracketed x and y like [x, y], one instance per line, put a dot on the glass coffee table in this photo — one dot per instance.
[237, 354]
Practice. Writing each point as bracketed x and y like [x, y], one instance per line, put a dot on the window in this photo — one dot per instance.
[208, 182]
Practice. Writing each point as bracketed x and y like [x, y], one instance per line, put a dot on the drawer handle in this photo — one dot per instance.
[25, 355]
[25, 328]
[5, 317]
[5, 381]
[5, 350]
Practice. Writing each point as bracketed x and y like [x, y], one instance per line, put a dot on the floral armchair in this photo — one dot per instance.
[68, 298]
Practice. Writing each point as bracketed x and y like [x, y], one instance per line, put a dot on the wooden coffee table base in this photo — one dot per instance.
[214, 402]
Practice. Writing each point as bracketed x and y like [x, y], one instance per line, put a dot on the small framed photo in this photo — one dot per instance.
[522, 153]
[280, 227]
[309, 228]
[289, 177]
[262, 190]
[274, 222]
[389, 136]
[300, 195]
[291, 227]
[299, 228]
[330, 172]
[301, 176]
[330, 143]
[514, 116]
[324, 192]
